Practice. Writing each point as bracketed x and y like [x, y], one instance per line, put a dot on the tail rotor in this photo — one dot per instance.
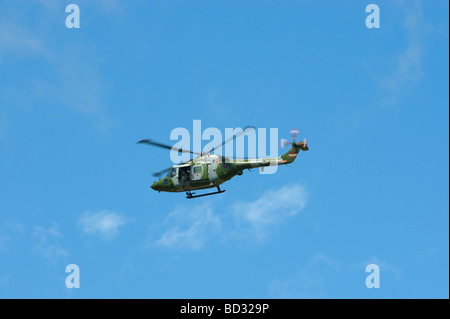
[294, 133]
[284, 143]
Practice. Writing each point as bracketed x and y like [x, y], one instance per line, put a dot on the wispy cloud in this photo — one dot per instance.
[402, 69]
[407, 65]
[46, 243]
[189, 228]
[310, 280]
[72, 78]
[44, 234]
[319, 275]
[385, 268]
[249, 221]
[103, 223]
[257, 218]
[10, 233]
[17, 41]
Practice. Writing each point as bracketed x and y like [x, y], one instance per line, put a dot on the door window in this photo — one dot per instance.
[197, 170]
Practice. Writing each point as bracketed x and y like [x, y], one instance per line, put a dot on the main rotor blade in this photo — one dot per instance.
[158, 174]
[150, 142]
[229, 139]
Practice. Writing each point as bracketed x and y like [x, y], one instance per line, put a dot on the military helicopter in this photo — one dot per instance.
[210, 170]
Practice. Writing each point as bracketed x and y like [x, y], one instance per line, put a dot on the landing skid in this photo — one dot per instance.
[191, 195]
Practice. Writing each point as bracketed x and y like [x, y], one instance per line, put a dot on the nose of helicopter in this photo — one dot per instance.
[156, 185]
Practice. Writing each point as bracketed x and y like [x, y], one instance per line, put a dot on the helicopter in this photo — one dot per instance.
[211, 170]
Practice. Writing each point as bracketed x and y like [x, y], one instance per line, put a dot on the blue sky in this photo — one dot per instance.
[373, 188]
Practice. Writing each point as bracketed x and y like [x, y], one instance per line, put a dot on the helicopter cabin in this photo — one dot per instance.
[183, 174]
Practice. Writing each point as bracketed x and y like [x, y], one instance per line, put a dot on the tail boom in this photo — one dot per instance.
[291, 155]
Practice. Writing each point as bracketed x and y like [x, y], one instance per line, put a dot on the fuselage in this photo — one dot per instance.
[212, 170]
[201, 173]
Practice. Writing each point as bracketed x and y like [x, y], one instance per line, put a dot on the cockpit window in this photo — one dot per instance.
[173, 172]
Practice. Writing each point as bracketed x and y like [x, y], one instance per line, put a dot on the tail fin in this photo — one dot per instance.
[291, 155]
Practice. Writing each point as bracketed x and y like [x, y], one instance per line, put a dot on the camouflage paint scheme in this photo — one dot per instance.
[213, 170]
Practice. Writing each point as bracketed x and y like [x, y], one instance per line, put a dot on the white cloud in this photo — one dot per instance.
[319, 275]
[46, 243]
[16, 41]
[44, 234]
[385, 268]
[270, 209]
[72, 79]
[10, 233]
[104, 223]
[189, 228]
[251, 221]
[310, 280]
[407, 65]
[404, 68]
